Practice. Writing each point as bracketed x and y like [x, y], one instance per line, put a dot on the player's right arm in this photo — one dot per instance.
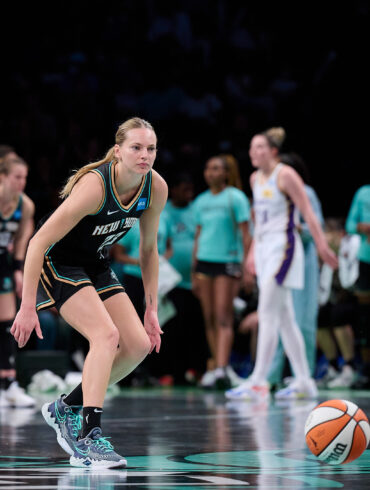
[84, 199]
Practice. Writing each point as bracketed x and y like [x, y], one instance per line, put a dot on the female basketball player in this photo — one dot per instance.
[16, 227]
[66, 266]
[221, 243]
[277, 257]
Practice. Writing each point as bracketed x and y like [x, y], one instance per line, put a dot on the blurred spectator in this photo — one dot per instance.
[185, 349]
[222, 239]
[358, 222]
[337, 318]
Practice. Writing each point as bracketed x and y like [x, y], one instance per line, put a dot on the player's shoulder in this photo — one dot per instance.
[252, 178]
[158, 182]
[238, 193]
[363, 191]
[28, 204]
[159, 191]
[203, 196]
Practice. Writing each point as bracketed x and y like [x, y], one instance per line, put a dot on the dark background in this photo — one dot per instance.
[207, 74]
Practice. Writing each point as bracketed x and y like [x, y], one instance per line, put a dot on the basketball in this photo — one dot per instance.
[337, 432]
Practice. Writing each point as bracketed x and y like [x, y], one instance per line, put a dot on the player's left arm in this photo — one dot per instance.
[292, 185]
[149, 222]
[21, 239]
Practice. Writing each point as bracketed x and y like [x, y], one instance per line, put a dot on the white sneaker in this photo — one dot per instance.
[331, 374]
[298, 390]
[208, 379]
[344, 379]
[235, 379]
[4, 403]
[17, 397]
[249, 391]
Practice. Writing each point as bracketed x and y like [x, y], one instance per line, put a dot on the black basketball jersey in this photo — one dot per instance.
[88, 243]
[9, 227]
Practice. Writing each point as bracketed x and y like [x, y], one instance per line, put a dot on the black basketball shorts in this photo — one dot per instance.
[214, 269]
[59, 282]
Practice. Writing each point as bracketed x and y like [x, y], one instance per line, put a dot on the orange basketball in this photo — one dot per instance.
[337, 431]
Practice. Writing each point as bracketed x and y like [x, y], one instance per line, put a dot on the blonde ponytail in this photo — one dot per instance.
[232, 167]
[275, 136]
[121, 135]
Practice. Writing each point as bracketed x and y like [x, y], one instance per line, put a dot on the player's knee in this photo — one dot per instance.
[109, 338]
[144, 347]
[224, 319]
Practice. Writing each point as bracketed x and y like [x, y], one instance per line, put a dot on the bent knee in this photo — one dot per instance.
[144, 346]
[107, 337]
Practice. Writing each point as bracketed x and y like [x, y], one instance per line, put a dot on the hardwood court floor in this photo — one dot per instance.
[182, 438]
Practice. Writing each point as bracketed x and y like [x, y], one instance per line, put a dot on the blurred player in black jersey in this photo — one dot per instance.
[16, 227]
[67, 267]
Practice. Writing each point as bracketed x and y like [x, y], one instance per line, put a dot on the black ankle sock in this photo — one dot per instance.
[334, 364]
[75, 398]
[91, 419]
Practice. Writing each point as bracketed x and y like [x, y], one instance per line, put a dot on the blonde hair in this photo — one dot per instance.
[121, 135]
[232, 166]
[275, 136]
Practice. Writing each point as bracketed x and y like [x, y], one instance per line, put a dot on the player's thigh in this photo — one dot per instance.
[131, 330]
[206, 292]
[225, 290]
[86, 313]
[7, 306]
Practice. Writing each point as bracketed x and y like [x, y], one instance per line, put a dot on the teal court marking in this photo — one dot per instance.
[236, 469]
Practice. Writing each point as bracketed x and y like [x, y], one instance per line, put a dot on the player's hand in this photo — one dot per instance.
[18, 279]
[328, 256]
[153, 329]
[24, 324]
[249, 265]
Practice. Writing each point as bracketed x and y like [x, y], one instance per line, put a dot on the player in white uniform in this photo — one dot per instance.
[276, 256]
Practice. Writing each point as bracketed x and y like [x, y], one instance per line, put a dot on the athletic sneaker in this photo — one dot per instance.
[344, 379]
[249, 391]
[17, 397]
[235, 379]
[330, 374]
[4, 403]
[95, 451]
[298, 390]
[65, 420]
[208, 379]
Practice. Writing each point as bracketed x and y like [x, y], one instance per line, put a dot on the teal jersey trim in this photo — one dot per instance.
[105, 192]
[63, 277]
[114, 196]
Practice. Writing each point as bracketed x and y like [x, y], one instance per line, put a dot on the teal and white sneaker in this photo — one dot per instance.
[65, 420]
[95, 451]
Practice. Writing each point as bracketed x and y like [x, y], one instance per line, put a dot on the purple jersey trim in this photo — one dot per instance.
[289, 251]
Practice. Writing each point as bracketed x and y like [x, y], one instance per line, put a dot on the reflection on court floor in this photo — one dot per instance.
[175, 438]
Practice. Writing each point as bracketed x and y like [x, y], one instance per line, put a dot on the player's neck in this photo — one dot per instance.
[126, 180]
[217, 188]
[267, 169]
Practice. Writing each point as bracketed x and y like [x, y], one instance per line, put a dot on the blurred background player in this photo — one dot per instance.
[276, 255]
[185, 349]
[337, 316]
[222, 240]
[305, 301]
[16, 227]
[358, 222]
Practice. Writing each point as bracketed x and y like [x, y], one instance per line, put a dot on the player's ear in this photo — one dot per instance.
[117, 151]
